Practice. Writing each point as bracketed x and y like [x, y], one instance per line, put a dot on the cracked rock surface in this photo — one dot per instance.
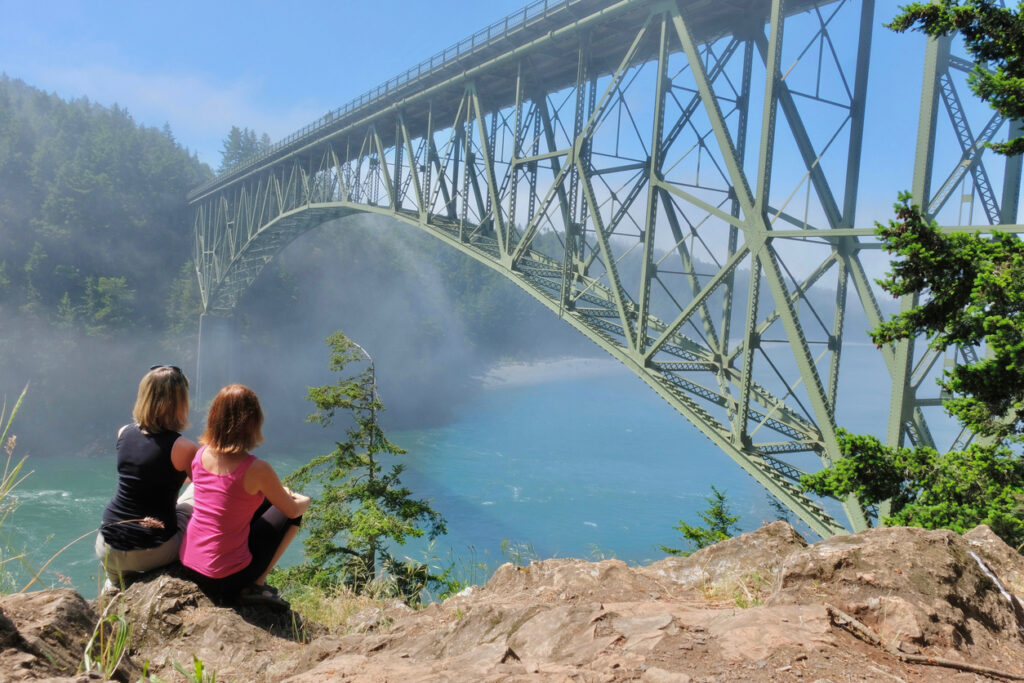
[756, 607]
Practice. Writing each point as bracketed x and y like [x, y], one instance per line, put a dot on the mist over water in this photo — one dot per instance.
[390, 288]
[431, 318]
[571, 458]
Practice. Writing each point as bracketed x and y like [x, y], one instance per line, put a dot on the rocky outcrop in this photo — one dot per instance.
[743, 570]
[919, 590]
[173, 621]
[761, 606]
[43, 634]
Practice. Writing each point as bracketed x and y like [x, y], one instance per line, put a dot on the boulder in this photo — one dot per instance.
[918, 589]
[744, 568]
[1006, 562]
[43, 634]
[173, 621]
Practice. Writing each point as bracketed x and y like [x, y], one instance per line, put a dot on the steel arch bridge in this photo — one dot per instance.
[677, 179]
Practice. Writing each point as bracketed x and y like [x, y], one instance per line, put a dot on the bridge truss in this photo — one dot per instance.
[677, 180]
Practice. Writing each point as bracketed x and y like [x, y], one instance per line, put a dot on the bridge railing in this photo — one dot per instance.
[501, 29]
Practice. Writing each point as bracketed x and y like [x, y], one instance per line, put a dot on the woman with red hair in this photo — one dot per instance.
[244, 518]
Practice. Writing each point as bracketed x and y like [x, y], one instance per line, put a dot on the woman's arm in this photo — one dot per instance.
[262, 478]
[182, 453]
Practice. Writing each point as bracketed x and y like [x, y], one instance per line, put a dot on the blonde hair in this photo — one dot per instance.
[234, 424]
[162, 403]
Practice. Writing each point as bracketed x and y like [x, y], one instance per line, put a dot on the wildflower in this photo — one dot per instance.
[9, 446]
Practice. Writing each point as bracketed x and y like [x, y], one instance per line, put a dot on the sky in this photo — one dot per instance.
[205, 66]
[275, 67]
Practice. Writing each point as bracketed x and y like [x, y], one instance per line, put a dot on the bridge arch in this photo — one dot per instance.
[649, 172]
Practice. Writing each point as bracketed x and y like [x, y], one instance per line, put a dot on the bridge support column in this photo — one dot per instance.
[214, 360]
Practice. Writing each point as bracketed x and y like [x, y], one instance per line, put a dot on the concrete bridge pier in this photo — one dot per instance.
[215, 361]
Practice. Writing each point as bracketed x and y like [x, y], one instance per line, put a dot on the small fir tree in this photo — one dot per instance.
[973, 296]
[972, 287]
[362, 508]
[719, 525]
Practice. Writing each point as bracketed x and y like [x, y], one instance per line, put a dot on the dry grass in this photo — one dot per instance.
[10, 478]
[332, 609]
[749, 589]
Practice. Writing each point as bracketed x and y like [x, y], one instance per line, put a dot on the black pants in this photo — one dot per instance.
[264, 540]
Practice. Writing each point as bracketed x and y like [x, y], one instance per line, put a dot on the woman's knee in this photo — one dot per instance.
[274, 517]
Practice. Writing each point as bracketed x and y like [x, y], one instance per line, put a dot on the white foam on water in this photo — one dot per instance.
[24, 494]
[525, 374]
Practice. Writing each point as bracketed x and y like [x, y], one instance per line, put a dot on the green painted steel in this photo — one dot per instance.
[595, 153]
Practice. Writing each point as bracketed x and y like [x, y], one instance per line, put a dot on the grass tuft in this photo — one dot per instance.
[333, 608]
[10, 478]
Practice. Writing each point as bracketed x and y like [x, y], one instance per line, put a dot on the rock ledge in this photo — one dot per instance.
[750, 608]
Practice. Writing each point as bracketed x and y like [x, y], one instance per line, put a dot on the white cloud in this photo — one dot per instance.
[199, 110]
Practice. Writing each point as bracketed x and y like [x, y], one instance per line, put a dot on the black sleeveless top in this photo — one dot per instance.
[147, 486]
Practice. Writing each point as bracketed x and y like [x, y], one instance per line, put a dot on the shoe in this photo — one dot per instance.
[262, 594]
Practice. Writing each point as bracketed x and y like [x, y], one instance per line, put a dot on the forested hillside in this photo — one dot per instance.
[93, 222]
[94, 250]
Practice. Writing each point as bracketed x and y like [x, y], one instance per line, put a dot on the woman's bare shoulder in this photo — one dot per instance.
[185, 442]
[260, 468]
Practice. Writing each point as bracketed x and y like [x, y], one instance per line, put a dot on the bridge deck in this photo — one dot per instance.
[493, 52]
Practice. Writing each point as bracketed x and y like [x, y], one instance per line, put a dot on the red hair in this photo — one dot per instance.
[235, 419]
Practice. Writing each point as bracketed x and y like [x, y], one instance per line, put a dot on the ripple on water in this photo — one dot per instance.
[23, 494]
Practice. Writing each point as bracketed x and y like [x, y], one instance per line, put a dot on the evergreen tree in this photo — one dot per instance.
[719, 524]
[239, 145]
[972, 293]
[972, 288]
[362, 508]
[958, 490]
[231, 154]
[994, 37]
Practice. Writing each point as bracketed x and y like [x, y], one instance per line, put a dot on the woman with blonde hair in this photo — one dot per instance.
[244, 518]
[144, 522]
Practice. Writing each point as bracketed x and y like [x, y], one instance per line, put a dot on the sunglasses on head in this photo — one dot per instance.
[172, 367]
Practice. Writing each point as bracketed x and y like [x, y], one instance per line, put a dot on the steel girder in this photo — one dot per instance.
[596, 154]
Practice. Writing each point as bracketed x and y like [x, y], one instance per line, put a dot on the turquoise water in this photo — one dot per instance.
[575, 459]
[579, 467]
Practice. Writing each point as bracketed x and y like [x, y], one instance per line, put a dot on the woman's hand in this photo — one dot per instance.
[301, 500]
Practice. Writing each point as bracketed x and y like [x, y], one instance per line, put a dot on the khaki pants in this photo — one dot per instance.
[121, 565]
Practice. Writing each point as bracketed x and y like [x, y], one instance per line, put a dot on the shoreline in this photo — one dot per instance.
[507, 374]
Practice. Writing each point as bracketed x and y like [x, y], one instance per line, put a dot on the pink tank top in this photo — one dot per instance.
[216, 542]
